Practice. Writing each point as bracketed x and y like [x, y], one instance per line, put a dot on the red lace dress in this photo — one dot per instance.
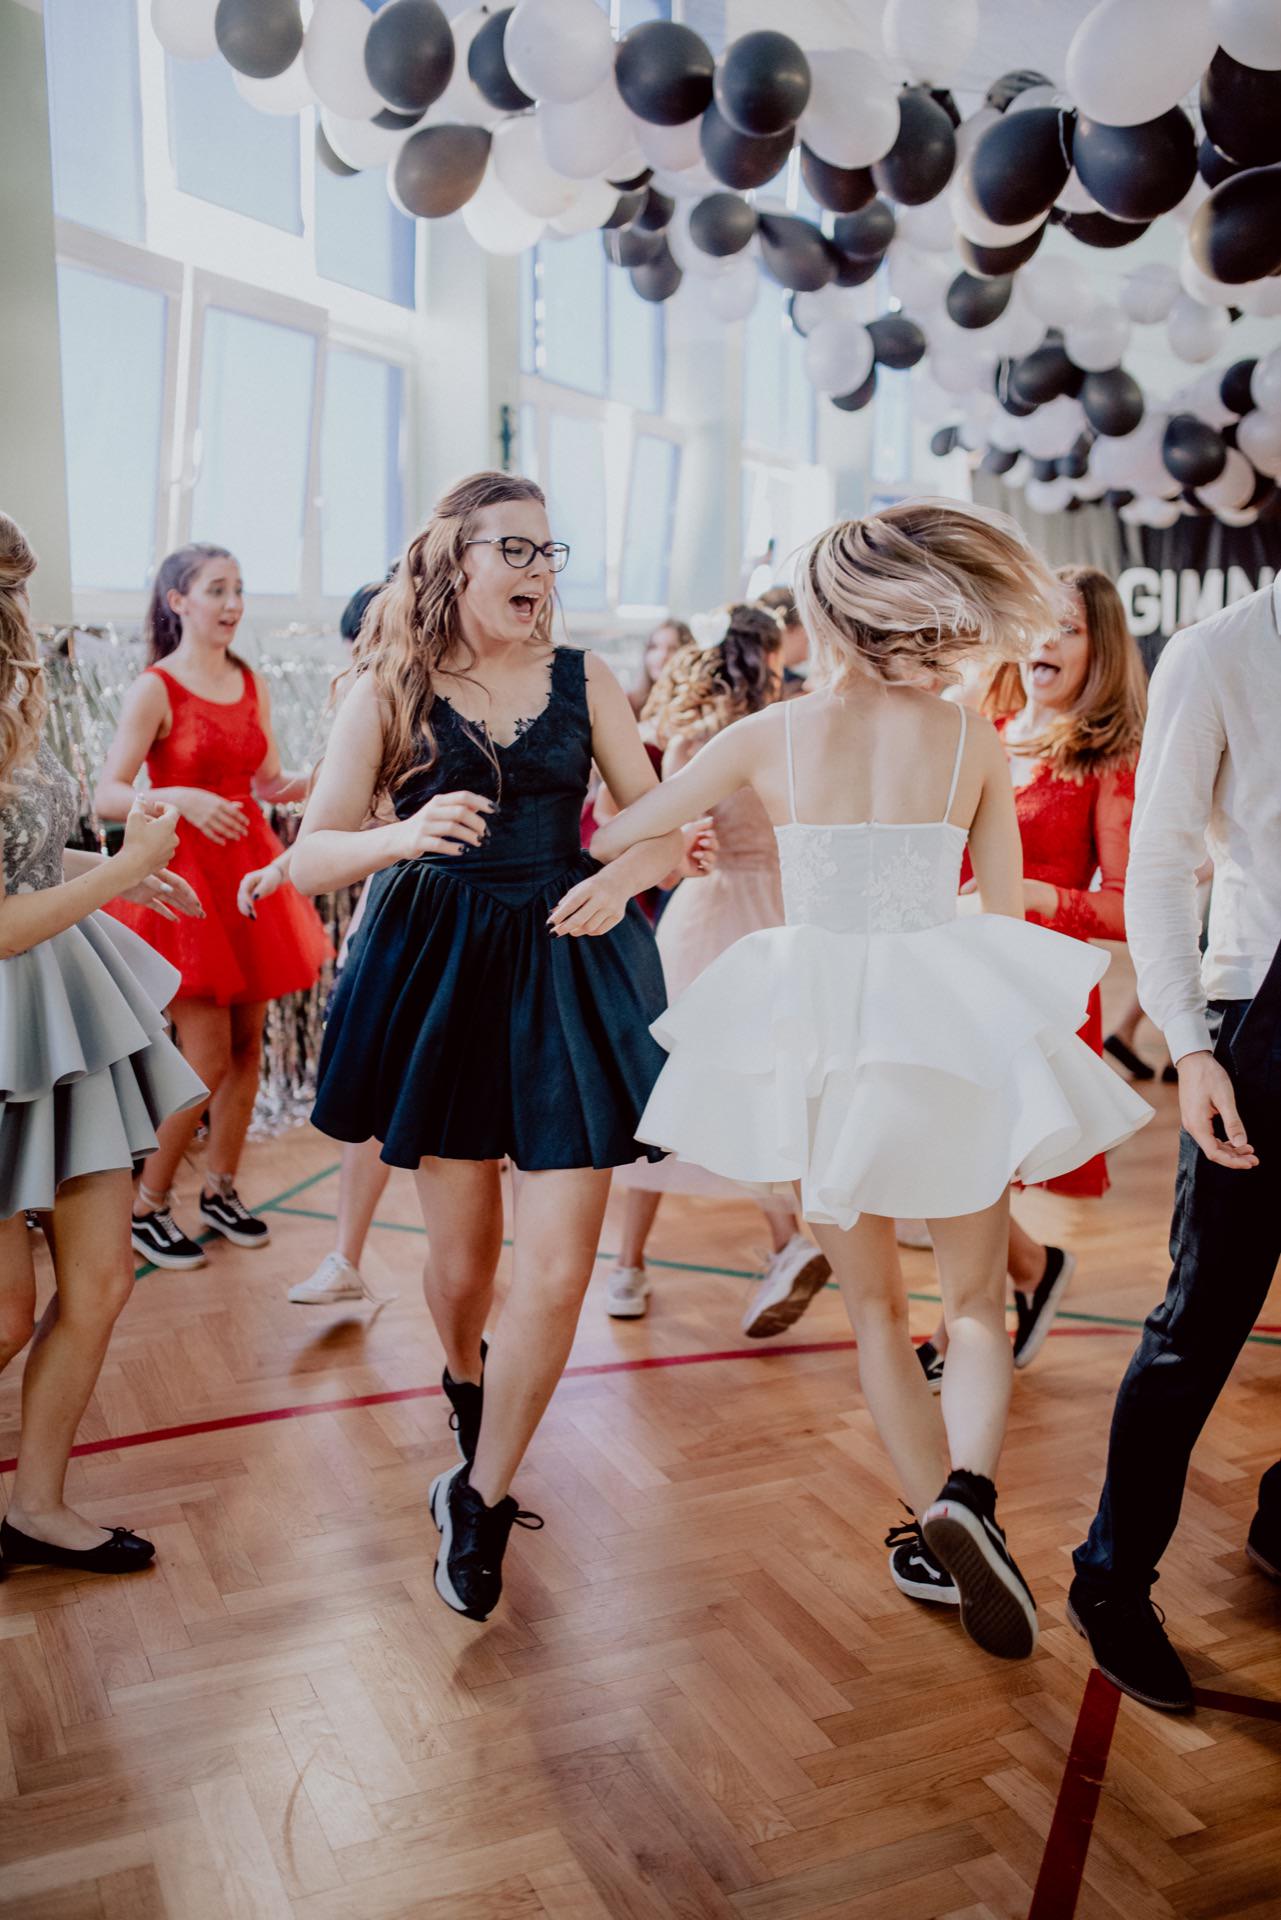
[226, 957]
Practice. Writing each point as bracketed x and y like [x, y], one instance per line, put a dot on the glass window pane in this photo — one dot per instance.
[633, 13]
[360, 496]
[799, 398]
[362, 241]
[571, 285]
[651, 506]
[251, 486]
[636, 340]
[576, 505]
[91, 52]
[225, 151]
[113, 361]
[528, 270]
[762, 368]
[527, 448]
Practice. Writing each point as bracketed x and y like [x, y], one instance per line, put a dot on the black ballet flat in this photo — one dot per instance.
[124, 1552]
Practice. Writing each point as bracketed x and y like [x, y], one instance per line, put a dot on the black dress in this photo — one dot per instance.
[462, 1026]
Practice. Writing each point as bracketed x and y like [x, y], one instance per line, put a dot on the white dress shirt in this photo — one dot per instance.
[1209, 780]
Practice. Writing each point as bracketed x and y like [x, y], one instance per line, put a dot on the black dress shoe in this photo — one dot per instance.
[122, 1552]
[1128, 1640]
[1263, 1544]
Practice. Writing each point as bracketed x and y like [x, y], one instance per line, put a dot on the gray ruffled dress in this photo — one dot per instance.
[87, 1068]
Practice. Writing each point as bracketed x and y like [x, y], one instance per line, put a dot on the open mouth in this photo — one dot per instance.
[526, 605]
[1043, 673]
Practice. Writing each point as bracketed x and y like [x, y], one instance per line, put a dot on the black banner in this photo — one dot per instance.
[1191, 570]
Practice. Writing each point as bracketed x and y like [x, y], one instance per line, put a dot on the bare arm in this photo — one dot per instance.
[717, 770]
[996, 852]
[272, 782]
[151, 834]
[145, 712]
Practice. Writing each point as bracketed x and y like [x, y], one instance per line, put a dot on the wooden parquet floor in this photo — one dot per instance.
[700, 1698]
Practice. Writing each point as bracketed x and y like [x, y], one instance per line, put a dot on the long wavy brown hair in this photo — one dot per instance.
[22, 688]
[703, 689]
[413, 626]
[1104, 730]
[161, 626]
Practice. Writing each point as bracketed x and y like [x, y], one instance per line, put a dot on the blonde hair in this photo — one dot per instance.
[1104, 730]
[902, 595]
[22, 690]
[702, 689]
[412, 625]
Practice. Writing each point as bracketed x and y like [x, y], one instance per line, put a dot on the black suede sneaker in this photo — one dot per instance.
[1036, 1311]
[159, 1239]
[997, 1608]
[473, 1540]
[931, 1365]
[1131, 1648]
[467, 1400]
[915, 1571]
[1263, 1544]
[227, 1216]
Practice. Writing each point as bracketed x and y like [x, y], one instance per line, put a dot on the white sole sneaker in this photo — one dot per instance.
[173, 1262]
[997, 1611]
[439, 1501]
[785, 1291]
[631, 1305]
[323, 1297]
[250, 1241]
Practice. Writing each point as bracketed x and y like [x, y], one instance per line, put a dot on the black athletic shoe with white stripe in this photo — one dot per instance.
[931, 1365]
[997, 1608]
[915, 1571]
[159, 1239]
[467, 1400]
[473, 1540]
[1036, 1311]
[227, 1216]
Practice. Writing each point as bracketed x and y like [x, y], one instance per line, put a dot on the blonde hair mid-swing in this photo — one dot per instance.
[903, 595]
[22, 688]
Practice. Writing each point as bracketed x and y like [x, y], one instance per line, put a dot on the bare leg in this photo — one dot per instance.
[1025, 1259]
[783, 1227]
[640, 1210]
[361, 1185]
[971, 1254]
[232, 1106]
[94, 1268]
[205, 1033]
[17, 1288]
[557, 1231]
[462, 1203]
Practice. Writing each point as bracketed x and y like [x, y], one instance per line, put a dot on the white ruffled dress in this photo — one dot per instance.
[891, 1057]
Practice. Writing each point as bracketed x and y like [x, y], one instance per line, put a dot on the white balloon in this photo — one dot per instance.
[359, 142]
[1157, 512]
[1148, 292]
[919, 280]
[692, 259]
[1196, 332]
[1192, 202]
[673, 148]
[971, 131]
[1234, 485]
[558, 49]
[1114, 458]
[591, 207]
[1245, 517]
[462, 104]
[518, 159]
[185, 28]
[1131, 60]
[587, 136]
[929, 227]
[1265, 382]
[852, 116]
[1053, 429]
[1259, 438]
[838, 356]
[287, 92]
[1262, 298]
[1207, 400]
[1100, 340]
[810, 310]
[959, 369]
[1043, 96]
[1250, 30]
[975, 224]
[1019, 330]
[494, 220]
[1088, 489]
[1019, 474]
[1056, 289]
[930, 39]
[1074, 198]
[1208, 292]
[1004, 431]
[690, 183]
[733, 295]
[1048, 496]
[333, 53]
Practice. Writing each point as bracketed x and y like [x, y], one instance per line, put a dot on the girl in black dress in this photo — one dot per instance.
[497, 1001]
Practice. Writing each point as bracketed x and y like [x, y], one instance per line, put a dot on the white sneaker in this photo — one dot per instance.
[626, 1293]
[913, 1233]
[334, 1279]
[785, 1289]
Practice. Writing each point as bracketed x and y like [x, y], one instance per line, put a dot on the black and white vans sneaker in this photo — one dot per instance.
[915, 1571]
[931, 1365]
[997, 1608]
[226, 1215]
[1036, 1312]
[159, 1239]
[473, 1540]
[467, 1400]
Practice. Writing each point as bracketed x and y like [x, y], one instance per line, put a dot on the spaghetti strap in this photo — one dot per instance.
[791, 770]
[956, 770]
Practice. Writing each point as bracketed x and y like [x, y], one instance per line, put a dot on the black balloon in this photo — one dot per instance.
[1241, 109]
[1118, 497]
[1229, 433]
[438, 170]
[975, 302]
[1010, 85]
[919, 164]
[763, 84]
[1214, 167]
[656, 213]
[1004, 391]
[794, 253]
[735, 159]
[854, 402]
[328, 158]
[1264, 488]
[1236, 235]
[998, 460]
[487, 66]
[1074, 465]
[1042, 375]
[1234, 388]
[260, 38]
[851, 272]
[396, 122]
[1045, 469]
[866, 234]
[626, 208]
[897, 342]
[992, 263]
[1136, 173]
[658, 279]
[1193, 451]
[839, 189]
[1021, 164]
[664, 73]
[943, 440]
[722, 224]
[409, 54]
[1101, 230]
[629, 247]
[947, 100]
[1113, 401]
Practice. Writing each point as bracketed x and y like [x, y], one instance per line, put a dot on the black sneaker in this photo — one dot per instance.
[1131, 1649]
[1263, 1544]
[997, 1608]
[931, 1365]
[467, 1400]
[473, 1540]
[226, 1215]
[915, 1571]
[1126, 1057]
[158, 1238]
[1036, 1313]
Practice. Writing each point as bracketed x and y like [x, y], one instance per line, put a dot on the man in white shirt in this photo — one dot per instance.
[1209, 779]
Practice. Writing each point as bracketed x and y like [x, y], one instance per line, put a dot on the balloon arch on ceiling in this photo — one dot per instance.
[531, 119]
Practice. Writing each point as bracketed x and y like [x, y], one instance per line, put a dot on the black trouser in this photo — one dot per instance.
[1225, 1242]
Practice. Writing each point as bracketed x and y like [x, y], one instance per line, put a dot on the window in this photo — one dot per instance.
[91, 52]
[361, 516]
[651, 508]
[527, 445]
[636, 343]
[584, 326]
[362, 240]
[892, 427]
[778, 401]
[576, 500]
[113, 361]
[255, 431]
[528, 321]
[227, 152]
[633, 13]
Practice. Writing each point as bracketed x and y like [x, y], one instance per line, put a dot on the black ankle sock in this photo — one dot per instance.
[980, 1489]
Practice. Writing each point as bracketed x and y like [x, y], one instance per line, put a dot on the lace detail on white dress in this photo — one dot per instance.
[901, 892]
[808, 872]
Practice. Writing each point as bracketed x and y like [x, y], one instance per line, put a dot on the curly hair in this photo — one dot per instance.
[22, 687]
[703, 689]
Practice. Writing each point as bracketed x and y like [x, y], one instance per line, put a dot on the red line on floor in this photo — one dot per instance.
[1058, 1884]
[1243, 1703]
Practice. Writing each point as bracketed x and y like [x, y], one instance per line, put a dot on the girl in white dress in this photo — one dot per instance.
[912, 1062]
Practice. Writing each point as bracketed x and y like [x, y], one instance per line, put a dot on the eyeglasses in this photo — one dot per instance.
[519, 552]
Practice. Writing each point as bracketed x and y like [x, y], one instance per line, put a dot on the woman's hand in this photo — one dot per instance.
[448, 823]
[594, 906]
[702, 848]
[222, 821]
[167, 894]
[1040, 898]
[256, 886]
[150, 842]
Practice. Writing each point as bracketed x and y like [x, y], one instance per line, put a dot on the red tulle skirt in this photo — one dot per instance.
[1090, 1180]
